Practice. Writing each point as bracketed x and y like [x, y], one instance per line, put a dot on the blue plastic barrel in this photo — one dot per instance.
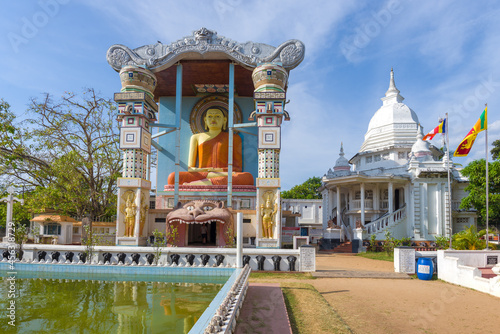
[425, 268]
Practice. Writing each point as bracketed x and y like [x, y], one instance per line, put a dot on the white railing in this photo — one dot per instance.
[455, 205]
[386, 221]
[384, 204]
[356, 204]
[346, 231]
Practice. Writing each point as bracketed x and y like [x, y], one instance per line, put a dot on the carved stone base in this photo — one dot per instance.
[267, 243]
[131, 241]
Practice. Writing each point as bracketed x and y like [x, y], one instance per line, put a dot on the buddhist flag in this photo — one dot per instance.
[465, 146]
[441, 128]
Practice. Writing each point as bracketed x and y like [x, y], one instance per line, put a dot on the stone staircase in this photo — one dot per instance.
[345, 247]
[386, 222]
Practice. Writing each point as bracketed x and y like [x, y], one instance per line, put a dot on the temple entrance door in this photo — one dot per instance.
[194, 234]
[396, 200]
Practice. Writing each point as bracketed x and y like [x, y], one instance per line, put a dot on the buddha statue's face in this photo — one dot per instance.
[215, 119]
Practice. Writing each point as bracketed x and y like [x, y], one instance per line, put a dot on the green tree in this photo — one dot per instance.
[476, 198]
[495, 151]
[7, 130]
[67, 154]
[306, 190]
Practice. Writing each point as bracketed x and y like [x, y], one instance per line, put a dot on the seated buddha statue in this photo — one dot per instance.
[210, 149]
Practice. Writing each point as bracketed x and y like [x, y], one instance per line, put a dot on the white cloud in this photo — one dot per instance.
[444, 55]
[265, 21]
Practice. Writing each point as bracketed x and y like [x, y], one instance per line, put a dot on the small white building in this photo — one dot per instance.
[302, 212]
[396, 182]
[105, 231]
[53, 228]
[302, 217]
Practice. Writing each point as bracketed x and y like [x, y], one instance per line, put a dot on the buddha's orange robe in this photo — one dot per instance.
[213, 154]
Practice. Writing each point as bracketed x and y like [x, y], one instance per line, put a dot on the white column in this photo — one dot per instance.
[424, 216]
[239, 240]
[376, 197]
[391, 197]
[326, 208]
[440, 200]
[409, 227]
[362, 203]
[178, 122]
[338, 206]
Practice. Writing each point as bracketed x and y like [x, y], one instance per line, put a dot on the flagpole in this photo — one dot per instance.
[487, 183]
[450, 220]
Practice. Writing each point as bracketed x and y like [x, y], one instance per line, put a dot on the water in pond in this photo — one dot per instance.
[106, 306]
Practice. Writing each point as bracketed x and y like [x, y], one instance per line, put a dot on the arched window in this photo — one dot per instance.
[52, 229]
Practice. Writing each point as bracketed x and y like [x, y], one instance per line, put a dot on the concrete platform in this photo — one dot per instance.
[263, 311]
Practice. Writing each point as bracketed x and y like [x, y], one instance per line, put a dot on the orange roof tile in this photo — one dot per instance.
[53, 218]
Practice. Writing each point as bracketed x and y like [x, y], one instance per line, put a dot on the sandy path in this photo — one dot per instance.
[404, 306]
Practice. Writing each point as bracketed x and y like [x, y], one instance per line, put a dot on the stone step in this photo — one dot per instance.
[486, 272]
[345, 247]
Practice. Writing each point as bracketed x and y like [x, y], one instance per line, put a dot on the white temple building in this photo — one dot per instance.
[396, 182]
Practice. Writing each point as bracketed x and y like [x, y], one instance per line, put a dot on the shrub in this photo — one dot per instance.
[158, 244]
[442, 242]
[373, 244]
[389, 243]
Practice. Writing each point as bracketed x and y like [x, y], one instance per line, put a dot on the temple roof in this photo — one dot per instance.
[206, 44]
[205, 57]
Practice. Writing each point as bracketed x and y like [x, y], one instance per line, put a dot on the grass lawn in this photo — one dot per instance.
[308, 311]
[273, 277]
[377, 256]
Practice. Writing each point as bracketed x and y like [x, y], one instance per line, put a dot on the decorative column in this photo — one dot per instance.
[326, 205]
[136, 111]
[270, 80]
[339, 209]
[362, 204]
[390, 190]
[10, 199]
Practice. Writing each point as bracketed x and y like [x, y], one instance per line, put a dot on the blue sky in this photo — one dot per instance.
[445, 57]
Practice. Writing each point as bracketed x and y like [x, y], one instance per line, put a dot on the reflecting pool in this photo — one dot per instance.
[97, 304]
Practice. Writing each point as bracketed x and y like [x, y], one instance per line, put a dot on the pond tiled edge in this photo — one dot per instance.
[221, 315]
[115, 269]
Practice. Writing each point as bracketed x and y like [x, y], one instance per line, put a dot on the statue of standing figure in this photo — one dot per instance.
[268, 211]
[130, 212]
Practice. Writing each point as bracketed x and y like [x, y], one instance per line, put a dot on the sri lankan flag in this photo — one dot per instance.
[441, 128]
[465, 146]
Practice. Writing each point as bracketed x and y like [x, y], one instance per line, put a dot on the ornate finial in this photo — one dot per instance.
[420, 134]
[341, 149]
[392, 95]
[392, 86]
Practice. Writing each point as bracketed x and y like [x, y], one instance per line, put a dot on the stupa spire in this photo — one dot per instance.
[392, 94]
[420, 132]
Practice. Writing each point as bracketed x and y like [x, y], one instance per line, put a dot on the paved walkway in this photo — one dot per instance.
[358, 274]
[263, 311]
[394, 306]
